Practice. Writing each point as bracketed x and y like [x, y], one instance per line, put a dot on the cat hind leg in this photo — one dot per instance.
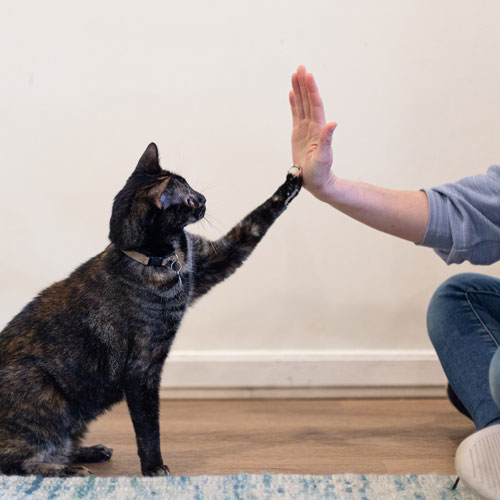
[54, 462]
[92, 454]
[88, 454]
[21, 459]
[54, 470]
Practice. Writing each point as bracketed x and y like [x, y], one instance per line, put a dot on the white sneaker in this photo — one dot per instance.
[478, 462]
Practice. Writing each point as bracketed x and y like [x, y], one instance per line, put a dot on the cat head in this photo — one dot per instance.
[153, 205]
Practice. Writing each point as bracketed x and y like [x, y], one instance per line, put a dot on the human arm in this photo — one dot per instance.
[460, 220]
[400, 213]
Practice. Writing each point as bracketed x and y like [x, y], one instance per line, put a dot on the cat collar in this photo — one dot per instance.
[172, 261]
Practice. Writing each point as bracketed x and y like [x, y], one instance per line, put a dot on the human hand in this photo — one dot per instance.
[311, 137]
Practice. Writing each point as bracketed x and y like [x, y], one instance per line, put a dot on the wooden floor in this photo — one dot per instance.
[292, 436]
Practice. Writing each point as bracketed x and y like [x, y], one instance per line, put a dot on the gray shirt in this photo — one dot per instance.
[464, 219]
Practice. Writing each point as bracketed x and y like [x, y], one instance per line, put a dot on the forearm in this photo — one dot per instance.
[404, 214]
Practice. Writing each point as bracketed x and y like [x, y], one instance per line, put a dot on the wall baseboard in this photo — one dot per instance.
[302, 374]
[305, 393]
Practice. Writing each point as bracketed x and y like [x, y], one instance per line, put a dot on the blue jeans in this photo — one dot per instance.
[463, 321]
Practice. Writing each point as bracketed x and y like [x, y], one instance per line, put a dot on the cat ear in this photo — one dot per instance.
[157, 194]
[149, 162]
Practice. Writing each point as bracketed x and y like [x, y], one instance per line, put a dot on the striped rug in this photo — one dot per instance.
[236, 487]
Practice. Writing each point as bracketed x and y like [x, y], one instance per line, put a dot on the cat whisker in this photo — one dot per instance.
[213, 247]
[219, 234]
[210, 242]
[212, 225]
[209, 187]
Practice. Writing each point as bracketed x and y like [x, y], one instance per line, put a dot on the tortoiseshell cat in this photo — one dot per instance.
[103, 334]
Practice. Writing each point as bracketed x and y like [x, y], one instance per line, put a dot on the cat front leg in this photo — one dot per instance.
[143, 403]
[291, 188]
[217, 260]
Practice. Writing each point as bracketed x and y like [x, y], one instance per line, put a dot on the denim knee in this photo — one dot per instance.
[495, 377]
[438, 317]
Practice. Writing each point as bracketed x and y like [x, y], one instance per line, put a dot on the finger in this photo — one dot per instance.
[293, 107]
[325, 137]
[301, 75]
[315, 101]
[297, 96]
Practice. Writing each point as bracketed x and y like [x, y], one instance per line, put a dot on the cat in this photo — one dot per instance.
[103, 334]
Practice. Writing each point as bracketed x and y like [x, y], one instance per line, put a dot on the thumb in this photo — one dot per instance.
[325, 137]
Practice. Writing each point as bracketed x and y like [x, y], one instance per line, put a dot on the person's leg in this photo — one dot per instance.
[456, 402]
[464, 326]
[463, 321]
[495, 378]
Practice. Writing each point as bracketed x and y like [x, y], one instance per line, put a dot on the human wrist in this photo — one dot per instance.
[326, 191]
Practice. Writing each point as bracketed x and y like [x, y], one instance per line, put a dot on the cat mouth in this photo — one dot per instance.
[200, 212]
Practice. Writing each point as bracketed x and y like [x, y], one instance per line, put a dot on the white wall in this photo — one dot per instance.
[85, 86]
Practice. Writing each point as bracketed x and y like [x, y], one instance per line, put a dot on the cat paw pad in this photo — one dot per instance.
[294, 171]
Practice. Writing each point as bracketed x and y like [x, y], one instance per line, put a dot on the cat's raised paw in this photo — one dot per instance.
[158, 470]
[291, 188]
[294, 171]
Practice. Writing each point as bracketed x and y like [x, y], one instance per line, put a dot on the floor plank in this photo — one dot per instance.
[292, 436]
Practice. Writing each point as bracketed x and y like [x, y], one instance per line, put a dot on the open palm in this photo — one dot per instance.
[311, 137]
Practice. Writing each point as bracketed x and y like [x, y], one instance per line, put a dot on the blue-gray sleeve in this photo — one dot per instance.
[464, 219]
